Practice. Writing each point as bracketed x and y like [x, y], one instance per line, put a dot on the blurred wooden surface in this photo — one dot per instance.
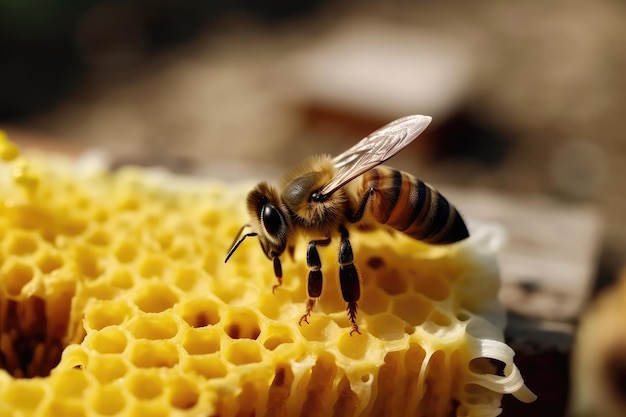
[550, 259]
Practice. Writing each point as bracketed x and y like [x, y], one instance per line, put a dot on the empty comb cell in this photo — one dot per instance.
[123, 274]
[202, 341]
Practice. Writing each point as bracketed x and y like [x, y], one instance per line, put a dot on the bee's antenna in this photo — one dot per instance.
[238, 241]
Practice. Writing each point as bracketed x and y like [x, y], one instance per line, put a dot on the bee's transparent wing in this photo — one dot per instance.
[375, 149]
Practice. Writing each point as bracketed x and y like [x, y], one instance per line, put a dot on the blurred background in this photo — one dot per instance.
[528, 102]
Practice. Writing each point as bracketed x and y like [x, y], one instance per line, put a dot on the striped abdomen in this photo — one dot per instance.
[411, 206]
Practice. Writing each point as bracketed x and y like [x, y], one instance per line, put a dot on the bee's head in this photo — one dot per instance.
[269, 220]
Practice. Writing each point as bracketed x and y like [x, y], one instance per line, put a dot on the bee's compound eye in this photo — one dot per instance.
[272, 220]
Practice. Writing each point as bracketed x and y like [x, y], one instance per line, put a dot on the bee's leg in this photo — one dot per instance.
[349, 278]
[314, 282]
[360, 211]
[278, 272]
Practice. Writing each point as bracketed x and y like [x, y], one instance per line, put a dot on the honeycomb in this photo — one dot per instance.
[115, 301]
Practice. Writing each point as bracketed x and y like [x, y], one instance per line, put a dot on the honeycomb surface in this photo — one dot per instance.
[115, 301]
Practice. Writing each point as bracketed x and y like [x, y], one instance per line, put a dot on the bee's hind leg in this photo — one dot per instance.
[314, 282]
[349, 278]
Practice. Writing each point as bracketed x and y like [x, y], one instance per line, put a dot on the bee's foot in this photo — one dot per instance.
[280, 284]
[310, 304]
[304, 318]
[352, 315]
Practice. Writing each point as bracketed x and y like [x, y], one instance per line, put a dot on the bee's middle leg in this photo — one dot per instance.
[349, 278]
[314, 282]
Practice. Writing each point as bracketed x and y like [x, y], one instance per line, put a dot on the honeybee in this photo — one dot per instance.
[323, 194]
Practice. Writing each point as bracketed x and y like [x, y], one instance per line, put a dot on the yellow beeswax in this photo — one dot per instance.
[115, 301]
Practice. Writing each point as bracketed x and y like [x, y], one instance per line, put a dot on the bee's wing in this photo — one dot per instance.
[375, 149]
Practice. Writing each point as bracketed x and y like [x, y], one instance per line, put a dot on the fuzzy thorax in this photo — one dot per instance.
[300, 184]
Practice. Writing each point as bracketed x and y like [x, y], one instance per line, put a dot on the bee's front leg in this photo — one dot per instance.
[314, 282]
[278, 272]
[349, 278]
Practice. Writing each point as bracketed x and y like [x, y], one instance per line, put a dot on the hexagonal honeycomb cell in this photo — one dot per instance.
[115, 296]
